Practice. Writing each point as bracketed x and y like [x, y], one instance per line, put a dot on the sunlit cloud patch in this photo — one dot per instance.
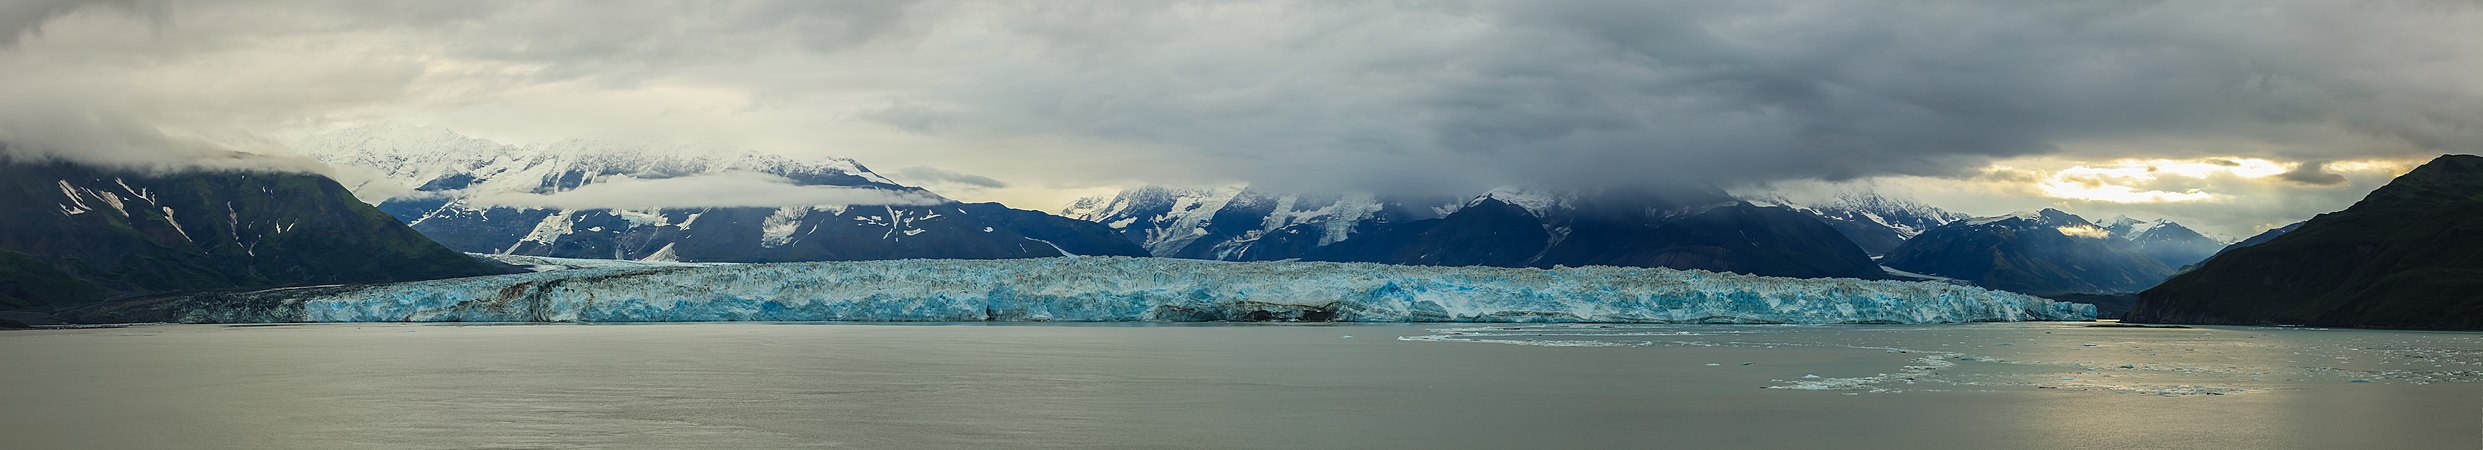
[2146, 180]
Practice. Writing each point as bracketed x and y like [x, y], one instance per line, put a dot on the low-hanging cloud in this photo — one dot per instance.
[106, 138]
[2313, 173]
[937, 176]
[718, 190]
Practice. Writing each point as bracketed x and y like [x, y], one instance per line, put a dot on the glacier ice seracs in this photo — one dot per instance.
[1114, 289]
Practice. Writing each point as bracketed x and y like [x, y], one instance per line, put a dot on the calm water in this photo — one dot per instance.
[2046, 385]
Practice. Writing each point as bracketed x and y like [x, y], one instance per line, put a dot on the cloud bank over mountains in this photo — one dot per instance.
[1441, 96]
[729, 189]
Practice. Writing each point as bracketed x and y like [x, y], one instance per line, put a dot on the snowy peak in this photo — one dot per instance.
[591, 199]
[1906, 218]
[2159, 230]
[1875, 222]
[1540, 202]
[2127, 228]
[1650, 226]
[2119, 226]
[1161, 219]
[1229, 223]
[2169, 243]
[1148, 201]
[2050, 251]
[2122, 223]
[436, 159]
[2041, 252]
[2046, 217]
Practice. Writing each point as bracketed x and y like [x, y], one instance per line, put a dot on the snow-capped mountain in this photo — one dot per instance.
[1688, 228]
[1241, 224]
[584, 199]
[2169, 243]
[2039, 252]
[1875, 222]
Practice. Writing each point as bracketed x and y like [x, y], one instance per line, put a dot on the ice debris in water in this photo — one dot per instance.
[1123, 289]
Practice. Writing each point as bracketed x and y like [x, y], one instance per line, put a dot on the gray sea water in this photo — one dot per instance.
[743, 385]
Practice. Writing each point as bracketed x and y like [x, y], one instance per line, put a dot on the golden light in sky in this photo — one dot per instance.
[2129, 180]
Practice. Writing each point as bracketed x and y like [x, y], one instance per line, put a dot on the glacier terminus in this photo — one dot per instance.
[1107, 289]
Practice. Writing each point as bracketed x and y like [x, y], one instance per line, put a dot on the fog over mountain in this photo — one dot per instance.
[2229, 116]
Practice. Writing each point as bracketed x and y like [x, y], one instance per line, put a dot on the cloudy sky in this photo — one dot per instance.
[2230, 115]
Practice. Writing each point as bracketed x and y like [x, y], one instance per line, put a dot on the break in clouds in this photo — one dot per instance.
[1027, 100]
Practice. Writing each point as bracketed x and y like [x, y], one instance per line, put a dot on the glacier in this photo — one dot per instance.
[1108, 289]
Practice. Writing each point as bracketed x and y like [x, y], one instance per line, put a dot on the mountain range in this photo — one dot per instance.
[1673, 226]
[2051, 252]
[1242, 224]
[582, 199]
[1874, 222]
[2168, 243]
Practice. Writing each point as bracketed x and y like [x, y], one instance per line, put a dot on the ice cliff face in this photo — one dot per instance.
[1111, 289]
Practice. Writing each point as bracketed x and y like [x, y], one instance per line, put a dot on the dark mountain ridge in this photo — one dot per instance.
[2046, 252]
[2409, 255]
[72, 234]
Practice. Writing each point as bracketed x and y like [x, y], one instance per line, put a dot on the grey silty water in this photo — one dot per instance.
[756, 385]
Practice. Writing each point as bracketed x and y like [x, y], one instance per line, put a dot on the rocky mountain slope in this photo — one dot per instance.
[2169, 243]
[2042, 253]
[1876, 223]
[2409, 255]
[72, 234]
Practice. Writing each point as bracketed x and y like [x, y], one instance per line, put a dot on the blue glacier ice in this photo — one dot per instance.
[1124, 289]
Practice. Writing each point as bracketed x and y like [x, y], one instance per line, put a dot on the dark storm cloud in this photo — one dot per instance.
[1410, 95]
[2313, 173]
[1536, 92]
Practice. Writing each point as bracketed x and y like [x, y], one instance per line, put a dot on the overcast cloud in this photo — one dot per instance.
[1436, 96]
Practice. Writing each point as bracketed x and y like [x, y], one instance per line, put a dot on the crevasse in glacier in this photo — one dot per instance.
[1125, 289]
